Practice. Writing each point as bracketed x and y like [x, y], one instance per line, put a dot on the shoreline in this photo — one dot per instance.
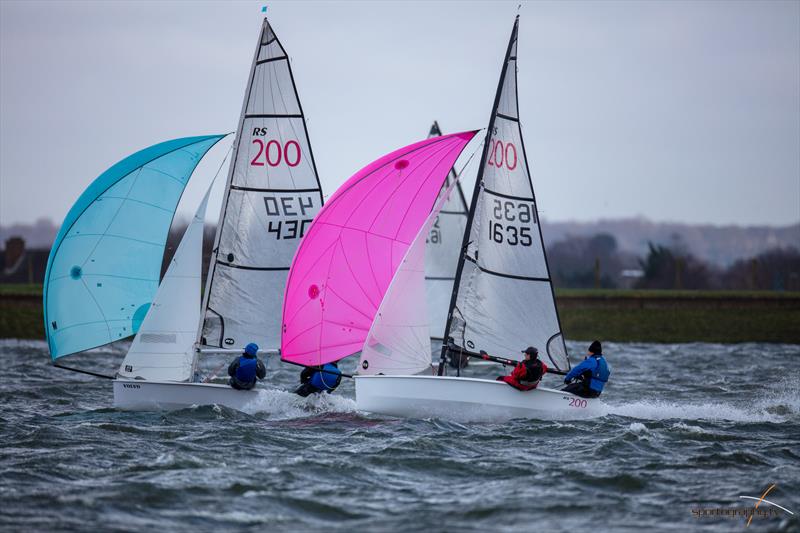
[726, 317]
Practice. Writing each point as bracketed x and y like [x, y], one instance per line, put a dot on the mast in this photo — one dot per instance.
[226, 196]
[503, 298]
[271, 196]
[474, 202]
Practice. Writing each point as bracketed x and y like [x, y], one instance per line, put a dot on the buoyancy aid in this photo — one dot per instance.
[600, 374]
[246, 372]
[327, 380]
[534, 370]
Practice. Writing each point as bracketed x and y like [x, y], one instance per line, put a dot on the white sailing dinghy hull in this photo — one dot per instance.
[466, 399]
[140, 395]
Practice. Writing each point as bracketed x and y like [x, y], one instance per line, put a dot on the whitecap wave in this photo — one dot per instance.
[280, 404]
[780, 403]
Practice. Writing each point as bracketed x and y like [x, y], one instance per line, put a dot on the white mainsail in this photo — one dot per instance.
[443, 246]
[398, 342]
[504, 299]
[163, 347]
[271, 196]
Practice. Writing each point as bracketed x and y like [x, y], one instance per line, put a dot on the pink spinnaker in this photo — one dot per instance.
[354, 246]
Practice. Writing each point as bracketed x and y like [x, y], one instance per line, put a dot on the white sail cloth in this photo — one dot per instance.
[505, 299]
[398, 341]
[163, 348]
[442, 250]
[272, 195]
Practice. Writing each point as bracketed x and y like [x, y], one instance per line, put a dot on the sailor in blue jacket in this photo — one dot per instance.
[314, 380]
[245, 369]
[592, 374]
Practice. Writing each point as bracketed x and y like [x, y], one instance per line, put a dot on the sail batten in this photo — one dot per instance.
[271, 196]
[503, 299]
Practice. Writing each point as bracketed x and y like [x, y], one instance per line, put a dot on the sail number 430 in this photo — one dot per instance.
[285, 208]
[510, 215]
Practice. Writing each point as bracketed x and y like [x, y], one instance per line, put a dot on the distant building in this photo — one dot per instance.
[20, 265]
[629, 277]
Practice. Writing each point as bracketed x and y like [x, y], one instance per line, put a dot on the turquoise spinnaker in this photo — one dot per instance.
[104, 267]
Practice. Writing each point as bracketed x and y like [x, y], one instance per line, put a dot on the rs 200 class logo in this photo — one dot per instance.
[273, 153]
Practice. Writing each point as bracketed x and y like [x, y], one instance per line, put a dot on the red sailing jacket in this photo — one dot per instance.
[519, 378]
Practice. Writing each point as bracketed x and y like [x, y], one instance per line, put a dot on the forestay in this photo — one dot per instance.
[398, 341]
[444, 244]
[272, 194]
[504, 299]
[353, 249]
[163, 348]
[104, 266]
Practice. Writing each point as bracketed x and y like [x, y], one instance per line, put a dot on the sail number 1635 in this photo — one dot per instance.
[507, 226]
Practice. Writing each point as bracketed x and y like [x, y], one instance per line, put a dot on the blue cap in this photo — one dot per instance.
[251, 349]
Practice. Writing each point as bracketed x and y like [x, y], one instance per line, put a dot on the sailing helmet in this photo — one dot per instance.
[596, 348]
[251, 349]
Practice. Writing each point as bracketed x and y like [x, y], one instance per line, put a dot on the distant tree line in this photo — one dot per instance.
[596, 262]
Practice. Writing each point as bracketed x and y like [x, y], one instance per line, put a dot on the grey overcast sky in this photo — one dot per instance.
[677, 111]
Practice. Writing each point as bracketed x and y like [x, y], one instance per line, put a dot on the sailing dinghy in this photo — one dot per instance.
[102, 280]
[502, 299]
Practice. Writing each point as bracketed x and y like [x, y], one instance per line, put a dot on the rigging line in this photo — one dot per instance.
[291, 124]
[78, 370]
[223, 213]
[476, 193]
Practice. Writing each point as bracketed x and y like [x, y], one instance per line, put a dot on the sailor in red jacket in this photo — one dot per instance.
[528, 373]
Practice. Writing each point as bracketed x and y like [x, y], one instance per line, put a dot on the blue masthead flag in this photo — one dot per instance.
[263, 9]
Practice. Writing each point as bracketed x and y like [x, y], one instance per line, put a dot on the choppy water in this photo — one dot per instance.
[689, 427]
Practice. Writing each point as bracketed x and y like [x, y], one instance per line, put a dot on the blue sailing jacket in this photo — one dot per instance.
[600, 371]
[246, 372]
[327, 381]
